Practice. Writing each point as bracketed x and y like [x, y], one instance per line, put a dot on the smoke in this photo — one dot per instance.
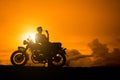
[100, 52]
[100, 56]
[114, 58]
[116, 43]
[76, 59]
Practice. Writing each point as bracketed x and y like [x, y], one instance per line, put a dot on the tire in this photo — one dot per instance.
[18, 58]
[55, 60]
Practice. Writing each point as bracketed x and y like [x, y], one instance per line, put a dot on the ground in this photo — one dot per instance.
[67, 73]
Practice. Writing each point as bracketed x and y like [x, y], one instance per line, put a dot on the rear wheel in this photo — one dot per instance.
[58, 60]
[18, 58]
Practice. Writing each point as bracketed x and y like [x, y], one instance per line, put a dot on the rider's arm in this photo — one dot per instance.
[47, 35]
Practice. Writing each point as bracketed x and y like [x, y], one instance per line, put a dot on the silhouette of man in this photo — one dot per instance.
[41, 38]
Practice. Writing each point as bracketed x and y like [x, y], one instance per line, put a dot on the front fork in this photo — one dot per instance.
[24, 52]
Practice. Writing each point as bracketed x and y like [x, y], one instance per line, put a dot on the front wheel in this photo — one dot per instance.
[58, 60]
[18, 58]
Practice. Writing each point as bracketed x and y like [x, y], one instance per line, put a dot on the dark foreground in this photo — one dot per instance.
[66, 73]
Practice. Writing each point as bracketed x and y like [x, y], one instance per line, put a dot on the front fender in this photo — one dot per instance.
[24, 51]
[21, 48]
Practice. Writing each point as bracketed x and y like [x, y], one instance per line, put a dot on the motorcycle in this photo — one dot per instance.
[52, 53]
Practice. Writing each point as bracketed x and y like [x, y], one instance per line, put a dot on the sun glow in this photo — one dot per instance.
[30, 36]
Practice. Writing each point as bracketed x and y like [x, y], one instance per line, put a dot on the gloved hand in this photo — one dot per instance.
[46, 31]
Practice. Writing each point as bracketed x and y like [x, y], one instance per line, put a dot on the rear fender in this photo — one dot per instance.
[63, 51]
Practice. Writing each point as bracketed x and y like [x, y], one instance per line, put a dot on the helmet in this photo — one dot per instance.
[39, 29]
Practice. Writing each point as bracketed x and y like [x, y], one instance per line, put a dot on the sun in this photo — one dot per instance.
[29, 35]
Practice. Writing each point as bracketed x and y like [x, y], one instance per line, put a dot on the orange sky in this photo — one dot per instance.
[75, 23]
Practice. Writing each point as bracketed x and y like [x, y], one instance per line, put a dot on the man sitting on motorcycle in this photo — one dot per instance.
[41, 38]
